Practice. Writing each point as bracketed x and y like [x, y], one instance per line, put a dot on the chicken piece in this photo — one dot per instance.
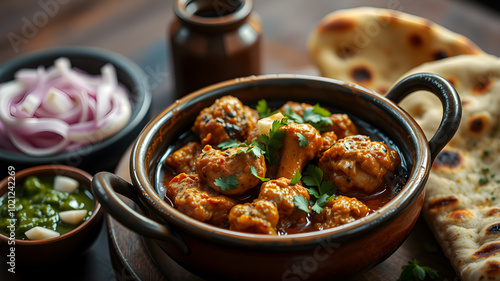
[226, 119]
[253, 134]
[213, 164]
[281, 192]
[260, 216]
[355, 163]
[342, 126]
[192, 198]
[339, 211]
[295, 153]
[183, 159]
[329, 139]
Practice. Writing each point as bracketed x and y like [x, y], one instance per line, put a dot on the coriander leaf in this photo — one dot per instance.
[430, 272]
[313, 192]
[273, 141]
[227, 183]
[254, 173]
[292, 115]
[278, 124]
[321, 110]
[313, 176]
[327, 187]
[262, 108]
[303, 142]
[418, 272]
[296, 178]
[230, 144]
[414, 272]
[324, 191]
[316, 208]
[257, 149]
[318, 205]
[301, 203]
[254, 147]
[316, 120]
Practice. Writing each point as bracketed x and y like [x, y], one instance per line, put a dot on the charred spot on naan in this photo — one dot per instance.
[346, 51]
[439, 204]
[465, 102]
[483, 85]
[492, 212]
[492, 269]
[362, 74]
[415, 40]
[459, 215]
[337, 25]
[479, 123]
[448, 160]
[493, 229]
[439, 54]
[487, 251]
[452, 81]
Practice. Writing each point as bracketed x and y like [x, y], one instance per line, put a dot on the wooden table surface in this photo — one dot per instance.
[137, 30]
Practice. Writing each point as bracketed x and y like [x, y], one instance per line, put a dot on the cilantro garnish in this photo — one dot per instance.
[299, 200]
[263, 110]
[321, 111]
[296, 178]
[227, 183]
[301, 203]
[323, 191]
[231, 144]
[255, 148]
[272, 142]
[254, 173]
[292, 115]
[413, 272]
[303, 142]
[318, 117]
[317, 120]
[264, 145]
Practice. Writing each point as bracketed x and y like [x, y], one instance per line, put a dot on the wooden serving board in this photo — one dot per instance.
[132, 261]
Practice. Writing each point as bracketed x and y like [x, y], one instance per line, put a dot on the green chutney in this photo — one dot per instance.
[37, 203]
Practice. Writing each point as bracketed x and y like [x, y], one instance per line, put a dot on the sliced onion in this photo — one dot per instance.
[45, 111]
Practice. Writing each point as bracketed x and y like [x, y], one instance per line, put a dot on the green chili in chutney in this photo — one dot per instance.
[37, 203]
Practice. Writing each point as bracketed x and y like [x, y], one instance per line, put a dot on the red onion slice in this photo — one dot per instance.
[43, 112]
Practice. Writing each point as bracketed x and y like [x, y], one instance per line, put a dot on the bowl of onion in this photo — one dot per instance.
[47, 214]
[75, 106]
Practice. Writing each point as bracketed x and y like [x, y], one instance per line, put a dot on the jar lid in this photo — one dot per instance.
[213, 14]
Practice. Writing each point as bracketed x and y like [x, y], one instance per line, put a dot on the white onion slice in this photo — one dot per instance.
[45, 111]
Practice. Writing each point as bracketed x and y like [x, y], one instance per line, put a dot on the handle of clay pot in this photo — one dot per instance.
[440, 87]
[105, 187]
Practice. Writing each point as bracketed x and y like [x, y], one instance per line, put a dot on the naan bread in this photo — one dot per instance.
[462, 204]
[373, 47]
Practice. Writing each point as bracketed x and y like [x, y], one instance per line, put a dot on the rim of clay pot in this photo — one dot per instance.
[413, 187]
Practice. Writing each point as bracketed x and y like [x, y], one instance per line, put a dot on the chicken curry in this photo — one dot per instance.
[296, 169]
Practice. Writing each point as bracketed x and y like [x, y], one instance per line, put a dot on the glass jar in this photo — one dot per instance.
[212, 41]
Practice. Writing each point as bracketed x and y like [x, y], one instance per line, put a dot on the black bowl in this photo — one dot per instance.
[100, 156]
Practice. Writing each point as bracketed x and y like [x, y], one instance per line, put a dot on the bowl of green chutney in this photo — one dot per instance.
[47, 214]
